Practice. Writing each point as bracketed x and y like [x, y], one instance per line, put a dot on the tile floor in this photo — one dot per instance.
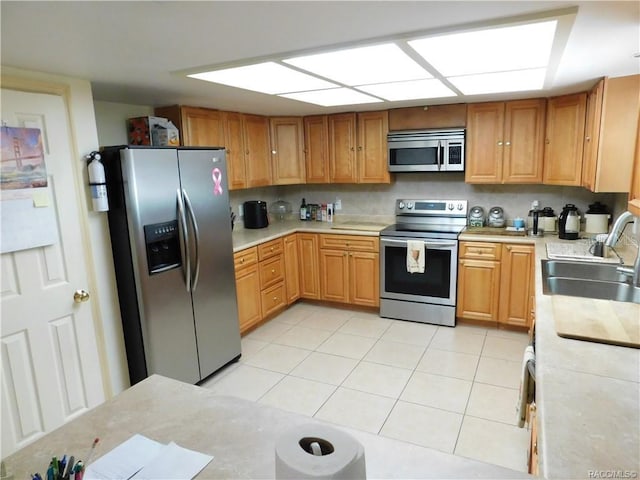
[451, 389]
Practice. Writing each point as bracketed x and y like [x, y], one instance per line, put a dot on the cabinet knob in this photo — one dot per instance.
[272, 249]
[499, 143]
[360, 148]
[509, 247]
[588, 139]
[273, 152]
[273, 270]
[352, 149]
[547, 141]
[242, 260]
[275, 299]
[344, 254]
[507, 143]
[246, 152]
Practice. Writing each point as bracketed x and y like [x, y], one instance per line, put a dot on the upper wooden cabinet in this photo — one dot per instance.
[287, 143]
[372, 153]
[505, 142]
[564, 140]
[257, 153]
[634, 191]
[611, 129]
[342, 148]
[316, 148]
[435, 116]
[234, 134]
[199, 127]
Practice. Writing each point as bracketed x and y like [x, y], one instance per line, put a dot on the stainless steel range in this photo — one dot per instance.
[419, 261]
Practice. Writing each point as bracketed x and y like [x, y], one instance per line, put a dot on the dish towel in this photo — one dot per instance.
[527, 385]
[416, 254]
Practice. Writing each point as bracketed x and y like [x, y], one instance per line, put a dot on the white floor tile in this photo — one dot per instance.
[494, 443]
[396, 354]
[294, 314]
[378, 379]
[412, 333]
[360, 410]
[496, 371]
[303, 337]
[351, 346]
[327, 319]
[493, 403]
[249, 347]
[269, 331]
[298, 395]
[365, 325]
[325, 368]
[453, 340]
[450, 364]
[426, 426]
[246, 382]
[437, 391]
[278, 358]
[505, 348]
[511, 334]
[472, 329]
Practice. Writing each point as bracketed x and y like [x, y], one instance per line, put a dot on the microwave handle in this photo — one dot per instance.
[438, 156]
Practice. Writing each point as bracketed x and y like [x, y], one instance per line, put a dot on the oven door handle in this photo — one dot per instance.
[427, 243]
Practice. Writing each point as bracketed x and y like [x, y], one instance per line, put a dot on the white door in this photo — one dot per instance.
[50, 365]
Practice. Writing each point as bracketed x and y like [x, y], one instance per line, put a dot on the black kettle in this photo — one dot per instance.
[569, 223]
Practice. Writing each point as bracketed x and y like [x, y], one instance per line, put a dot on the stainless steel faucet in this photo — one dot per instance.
[621, 222]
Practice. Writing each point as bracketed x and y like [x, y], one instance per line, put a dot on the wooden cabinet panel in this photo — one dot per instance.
[270, 249]
[291, 268]
[271, 271]
[592, 135]
[634, 191]
[372, 153]
[484, 139]
[516, 284]
[350, 242]
[478, 289]
[564, 140]
[287, 156]
[249, 297]
[342, 142]
[199, 127]
[523, 141]
[334, 275]
[480, 250]
[234, 137]
[316, 148]
[364, 279]
[273, 299]
[245, 257]
[433, 116]
[256, 150]
[308, 257]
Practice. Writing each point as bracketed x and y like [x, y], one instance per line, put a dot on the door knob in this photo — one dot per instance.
[80, 296]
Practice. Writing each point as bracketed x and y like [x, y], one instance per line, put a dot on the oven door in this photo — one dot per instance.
[436, 285]
[416, 155]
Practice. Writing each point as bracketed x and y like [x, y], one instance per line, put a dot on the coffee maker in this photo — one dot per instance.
[569, 223]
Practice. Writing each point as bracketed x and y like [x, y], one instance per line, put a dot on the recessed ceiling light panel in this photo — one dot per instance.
[333, 97]
[412, 90]
[517, 81]
[267, 77]
[365, 65]
[492, 50]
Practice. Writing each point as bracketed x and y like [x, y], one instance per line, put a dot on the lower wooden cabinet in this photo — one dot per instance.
[533, 445]
[308, 266]
[291, 268]
[248, 288]
[495, 283]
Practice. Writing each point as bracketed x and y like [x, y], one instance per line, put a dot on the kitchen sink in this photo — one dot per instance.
[588, 280]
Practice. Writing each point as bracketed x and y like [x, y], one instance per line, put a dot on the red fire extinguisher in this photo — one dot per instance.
[97, 182]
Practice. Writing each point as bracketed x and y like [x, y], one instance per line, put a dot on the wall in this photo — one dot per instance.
[111, 120]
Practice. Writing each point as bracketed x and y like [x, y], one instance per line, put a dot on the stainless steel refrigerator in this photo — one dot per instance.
[173, 255]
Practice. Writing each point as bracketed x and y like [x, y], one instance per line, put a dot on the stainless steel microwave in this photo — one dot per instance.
[440, 150]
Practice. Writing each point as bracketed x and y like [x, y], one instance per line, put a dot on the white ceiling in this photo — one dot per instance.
[131, 51]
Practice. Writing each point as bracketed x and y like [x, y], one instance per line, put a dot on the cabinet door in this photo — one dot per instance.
[478, 290]
[484, 143]
[234, 138]
[287, 160]
[592, 135]
[364, 278]
[248, 295]
[372, 151]
[316, 148]
[634, 192]
[291, 269]
[308, 265]
[202, 127]
[256, 150]
[334, 275]
[516, 284]
[523, 145]
[342, 141]
[564, 140]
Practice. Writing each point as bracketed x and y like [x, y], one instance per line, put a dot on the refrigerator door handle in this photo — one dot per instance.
[196, 234]
[184, 240]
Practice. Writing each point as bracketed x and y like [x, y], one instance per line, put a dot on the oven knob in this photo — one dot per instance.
[400, 205]
[450, 206]
[409, 205]
[459, 206]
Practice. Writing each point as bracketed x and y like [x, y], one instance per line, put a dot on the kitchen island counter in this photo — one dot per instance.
[240, 435]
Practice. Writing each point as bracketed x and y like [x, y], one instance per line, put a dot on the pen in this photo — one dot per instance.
[91, 450]
[69, 468]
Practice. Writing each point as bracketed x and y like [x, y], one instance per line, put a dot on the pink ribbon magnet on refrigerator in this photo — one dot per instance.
[216, 175]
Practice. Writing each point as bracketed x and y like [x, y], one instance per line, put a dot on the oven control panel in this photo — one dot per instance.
[453, 208]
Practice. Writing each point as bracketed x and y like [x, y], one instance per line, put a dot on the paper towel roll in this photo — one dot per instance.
[342, 456]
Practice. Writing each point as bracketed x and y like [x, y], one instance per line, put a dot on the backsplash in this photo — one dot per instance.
[379, 199]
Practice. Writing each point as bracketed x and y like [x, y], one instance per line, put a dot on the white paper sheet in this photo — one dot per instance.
[174, 462]
[125, 460]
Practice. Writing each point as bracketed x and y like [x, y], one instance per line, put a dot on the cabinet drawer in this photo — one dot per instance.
[350, 242]
[481, 250]
[273, 298]
[271, 271]
[245, 257]
[270, 249]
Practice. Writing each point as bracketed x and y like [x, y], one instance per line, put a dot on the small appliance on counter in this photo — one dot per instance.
[534, 222]
[280, 209]
[569, 223]
[255, 214]
[597, 219]
[476, 216]
[496, 217]
[549, 220]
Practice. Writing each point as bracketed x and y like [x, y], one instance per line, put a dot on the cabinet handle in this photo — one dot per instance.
[273, 152]
[499, 143]
[507, 143]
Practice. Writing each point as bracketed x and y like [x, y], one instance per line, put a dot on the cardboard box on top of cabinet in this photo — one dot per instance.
[154, 131]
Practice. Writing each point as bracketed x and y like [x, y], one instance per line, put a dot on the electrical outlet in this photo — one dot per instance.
[337, 205]
[241, 210]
